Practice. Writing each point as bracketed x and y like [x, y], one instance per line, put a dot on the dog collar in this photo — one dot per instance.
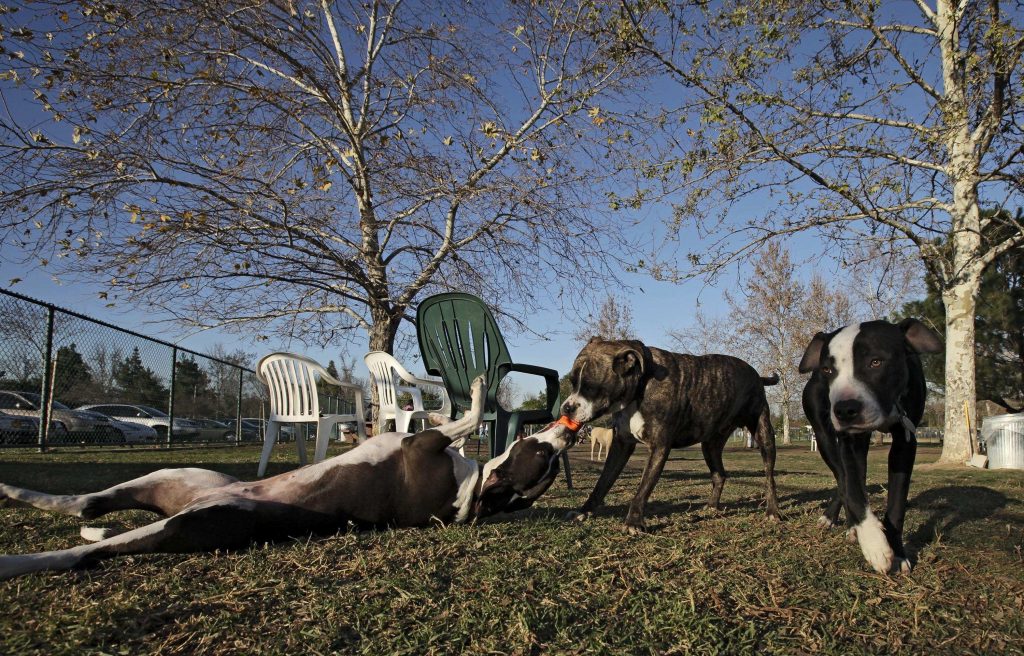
[907, 424]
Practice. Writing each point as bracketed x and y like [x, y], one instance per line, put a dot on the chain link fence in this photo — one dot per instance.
[68, 379]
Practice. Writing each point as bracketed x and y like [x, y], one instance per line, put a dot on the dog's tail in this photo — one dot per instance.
[768, 381]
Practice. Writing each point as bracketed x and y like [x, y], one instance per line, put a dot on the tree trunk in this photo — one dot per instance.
[785, 423]
[960, 382]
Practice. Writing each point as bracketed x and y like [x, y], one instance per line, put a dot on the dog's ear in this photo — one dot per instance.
[495, 494]
[595, 338]
[812, 356]
[630, 359]
[920, 337]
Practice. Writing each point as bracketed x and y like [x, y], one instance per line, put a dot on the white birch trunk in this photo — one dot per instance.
[960, 381]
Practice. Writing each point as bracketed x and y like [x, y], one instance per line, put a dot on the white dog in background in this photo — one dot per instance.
[600, 437]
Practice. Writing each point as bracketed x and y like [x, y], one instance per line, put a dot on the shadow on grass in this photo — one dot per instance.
[947, 508]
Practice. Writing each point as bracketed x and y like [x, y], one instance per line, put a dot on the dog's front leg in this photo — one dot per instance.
[652, 472]
[622, 447]
[828, 447]
[870, 533]
[902, 454]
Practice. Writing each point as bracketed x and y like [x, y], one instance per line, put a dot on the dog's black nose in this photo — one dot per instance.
[569, 408]
[847, 409]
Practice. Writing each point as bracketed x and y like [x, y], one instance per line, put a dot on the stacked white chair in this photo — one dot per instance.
[391, 379]
[292, 380]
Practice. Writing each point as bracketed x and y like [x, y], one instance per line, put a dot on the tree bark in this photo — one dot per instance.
[960, 380]
[785, 422]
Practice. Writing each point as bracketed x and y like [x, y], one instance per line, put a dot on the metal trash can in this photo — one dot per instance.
[1004, 437]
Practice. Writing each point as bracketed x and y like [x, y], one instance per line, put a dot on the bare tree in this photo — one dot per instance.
[707, 334]
[614, 320]
[868, 122]
[309, 167]
[881, 281]
[775, 315]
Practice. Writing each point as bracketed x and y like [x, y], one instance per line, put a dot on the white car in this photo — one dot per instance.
[135, 433]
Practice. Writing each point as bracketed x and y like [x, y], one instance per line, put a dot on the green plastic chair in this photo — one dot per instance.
[459, 340]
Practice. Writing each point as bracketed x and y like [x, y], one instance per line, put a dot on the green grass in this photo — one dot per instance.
[700, 583]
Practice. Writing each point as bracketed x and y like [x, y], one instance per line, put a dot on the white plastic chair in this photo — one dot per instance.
[292, 380]
[388, 377]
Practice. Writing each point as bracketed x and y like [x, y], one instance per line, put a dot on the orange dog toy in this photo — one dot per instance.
[574, 426]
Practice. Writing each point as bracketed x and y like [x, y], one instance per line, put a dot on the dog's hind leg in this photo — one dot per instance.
[166, 492]
[224, 524]
[713, 458]
[469, 421]
[764, 435]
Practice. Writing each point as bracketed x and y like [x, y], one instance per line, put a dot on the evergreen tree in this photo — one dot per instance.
[73, 380]
[192, 394]
[137, 383]
[999, 344]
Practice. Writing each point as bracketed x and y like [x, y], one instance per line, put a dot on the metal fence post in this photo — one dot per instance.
[170, 402]
[44, 393]
[238, 409]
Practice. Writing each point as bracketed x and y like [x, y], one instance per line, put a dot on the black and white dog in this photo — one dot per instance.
[668, 400]
[868, 377]
[392, 480]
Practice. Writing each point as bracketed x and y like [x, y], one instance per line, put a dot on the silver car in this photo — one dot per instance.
[146, 415]
[15, 429]
[83, 426]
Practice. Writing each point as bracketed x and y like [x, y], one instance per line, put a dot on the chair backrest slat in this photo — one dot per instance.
[292, 384]
[459, 340]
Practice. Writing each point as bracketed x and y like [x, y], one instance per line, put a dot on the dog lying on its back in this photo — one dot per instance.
[392, 480]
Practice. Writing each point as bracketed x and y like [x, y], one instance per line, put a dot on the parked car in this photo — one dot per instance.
[251, 431]
[286, 434]
[18, 430]
[147, 416]
[211, 430]
[74, 424]
[136, 433]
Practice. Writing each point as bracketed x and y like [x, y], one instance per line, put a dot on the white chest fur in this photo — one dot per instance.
[632, 421]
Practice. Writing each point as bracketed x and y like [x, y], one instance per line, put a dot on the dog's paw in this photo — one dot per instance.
[635, 528]
[825, 522]
[851, 535]
[902, 566]
[874, 545]
[478, 386]
[577, 516]
[437, 419]
[97, 533]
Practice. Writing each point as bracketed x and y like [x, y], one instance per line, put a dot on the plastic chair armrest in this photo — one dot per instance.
[550, 378]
